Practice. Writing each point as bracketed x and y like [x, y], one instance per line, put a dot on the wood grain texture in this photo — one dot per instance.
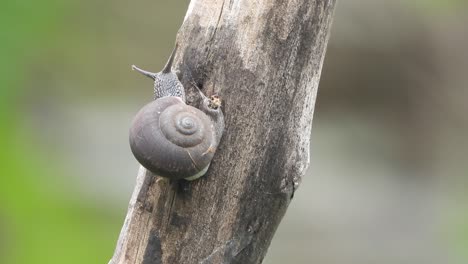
[264, 59]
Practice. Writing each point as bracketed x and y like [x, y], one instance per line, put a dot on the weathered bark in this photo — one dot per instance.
[264, 59]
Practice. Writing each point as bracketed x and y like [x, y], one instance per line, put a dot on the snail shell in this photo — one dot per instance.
[172, 139]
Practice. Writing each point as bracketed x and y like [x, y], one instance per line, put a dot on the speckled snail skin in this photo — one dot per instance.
[169, 137]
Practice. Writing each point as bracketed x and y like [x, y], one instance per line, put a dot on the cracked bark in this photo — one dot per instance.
[264, 59]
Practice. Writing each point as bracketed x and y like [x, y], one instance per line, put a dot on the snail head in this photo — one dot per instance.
[165, 70]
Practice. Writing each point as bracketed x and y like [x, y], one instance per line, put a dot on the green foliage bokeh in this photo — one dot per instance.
[38, 224]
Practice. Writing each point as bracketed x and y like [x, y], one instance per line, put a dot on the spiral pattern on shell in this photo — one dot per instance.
[182, 127]
[172, 139]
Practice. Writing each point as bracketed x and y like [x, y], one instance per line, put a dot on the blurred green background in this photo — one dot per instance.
[388, 177]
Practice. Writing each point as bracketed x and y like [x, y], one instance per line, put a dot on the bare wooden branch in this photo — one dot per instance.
[264, 59]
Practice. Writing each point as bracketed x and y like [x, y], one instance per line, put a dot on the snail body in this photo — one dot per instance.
[166, 82]
[173, 139]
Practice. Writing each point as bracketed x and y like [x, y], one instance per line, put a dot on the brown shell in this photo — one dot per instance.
[172, 139]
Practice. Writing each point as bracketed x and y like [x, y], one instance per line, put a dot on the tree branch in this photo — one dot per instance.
[264, 60]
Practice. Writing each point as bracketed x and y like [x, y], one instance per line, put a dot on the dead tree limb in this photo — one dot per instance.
[264, 59]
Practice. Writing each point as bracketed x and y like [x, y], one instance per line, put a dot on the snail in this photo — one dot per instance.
[169, 137]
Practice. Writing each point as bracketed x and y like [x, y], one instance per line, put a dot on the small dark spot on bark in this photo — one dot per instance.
[179, 221]
[185, 187]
